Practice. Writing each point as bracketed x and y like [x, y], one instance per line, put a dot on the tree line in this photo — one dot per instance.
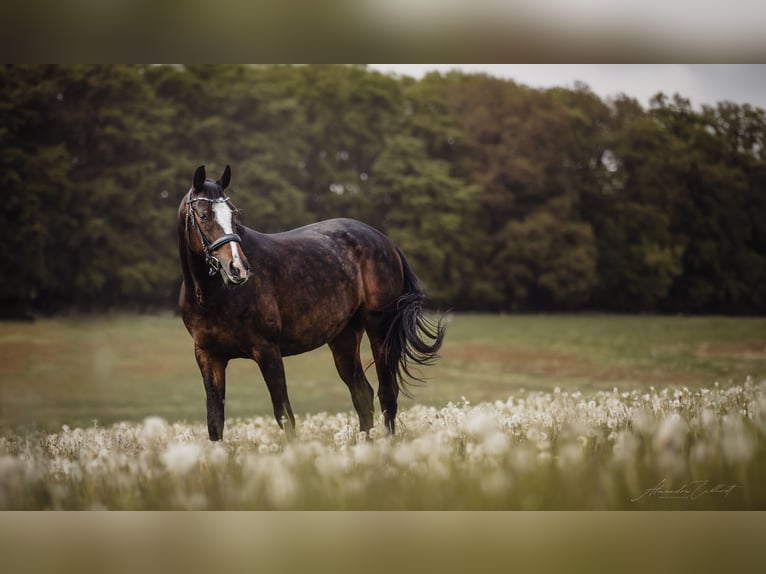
[503, 197]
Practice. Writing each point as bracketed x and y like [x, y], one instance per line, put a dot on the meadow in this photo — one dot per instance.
[527, 412]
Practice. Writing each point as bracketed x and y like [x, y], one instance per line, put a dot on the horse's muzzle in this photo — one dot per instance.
[234, 273]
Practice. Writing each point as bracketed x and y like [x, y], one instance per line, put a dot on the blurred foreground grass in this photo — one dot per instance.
[126, 367]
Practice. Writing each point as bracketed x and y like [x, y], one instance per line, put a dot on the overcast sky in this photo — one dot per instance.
[701, 83]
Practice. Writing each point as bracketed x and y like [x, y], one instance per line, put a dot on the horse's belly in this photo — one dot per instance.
[308, 326]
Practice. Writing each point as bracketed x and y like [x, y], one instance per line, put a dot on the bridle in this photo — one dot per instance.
[207, 246]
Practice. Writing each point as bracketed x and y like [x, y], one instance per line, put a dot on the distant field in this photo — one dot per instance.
[125, 367]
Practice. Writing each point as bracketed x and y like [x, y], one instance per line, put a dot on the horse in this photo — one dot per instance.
[263, 297]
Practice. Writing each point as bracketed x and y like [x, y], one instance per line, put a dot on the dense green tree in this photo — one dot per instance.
[719, 212]
[547, 263]
[639, 255]
[37, 189]
[407, 184]
[503, 197]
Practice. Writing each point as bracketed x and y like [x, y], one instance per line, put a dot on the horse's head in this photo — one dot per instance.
[211, 221]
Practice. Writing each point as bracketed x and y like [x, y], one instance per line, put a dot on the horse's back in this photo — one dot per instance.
[338, 229]
[374, 254]
[343, 237]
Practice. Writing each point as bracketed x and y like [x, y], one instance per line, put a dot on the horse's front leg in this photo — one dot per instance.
[269, 360]
[213, 369]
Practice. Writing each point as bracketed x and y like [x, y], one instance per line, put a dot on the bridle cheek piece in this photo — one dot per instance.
[207, 247]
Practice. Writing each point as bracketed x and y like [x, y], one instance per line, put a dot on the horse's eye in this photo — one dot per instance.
[203, 216]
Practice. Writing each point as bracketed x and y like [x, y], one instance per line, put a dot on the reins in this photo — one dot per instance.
[207, 247]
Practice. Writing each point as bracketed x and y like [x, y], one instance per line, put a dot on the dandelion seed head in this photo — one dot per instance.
[404, 454]
[282, 489]
[154, 431]
[671, 435]
[180, 458]
[643, 421]
[668, 444]
[496, 444]
[626, 447]
[332, 464]
[217, 455]
[737, 445]
[491, 448]
[479, 423]
[534, 434]
[708, 419]
[363, 453]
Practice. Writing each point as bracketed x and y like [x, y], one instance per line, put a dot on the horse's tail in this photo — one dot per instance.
[411, 337]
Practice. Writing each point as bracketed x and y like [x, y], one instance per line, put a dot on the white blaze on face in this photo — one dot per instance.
[223, 217]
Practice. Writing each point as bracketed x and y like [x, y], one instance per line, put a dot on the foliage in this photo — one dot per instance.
[504, 197]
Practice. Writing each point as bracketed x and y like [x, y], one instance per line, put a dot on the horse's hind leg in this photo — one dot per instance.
[345, 351]
[385, 366]
[213, 371]
[273, 370]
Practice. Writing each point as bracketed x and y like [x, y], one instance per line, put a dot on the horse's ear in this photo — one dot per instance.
[225, 178]
[199, 178]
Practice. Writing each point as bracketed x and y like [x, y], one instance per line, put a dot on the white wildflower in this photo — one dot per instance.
[626, 447]
[668, 444]
[671, 435]
[363, 453]
[708, 419]
[643, 421]
[332, 464]
[180, 458]
[217, 454]
[154, 431]
[74, 471]
[535, 435]
[404, 454]
[479, 423]
[496, 444]
[737, 444]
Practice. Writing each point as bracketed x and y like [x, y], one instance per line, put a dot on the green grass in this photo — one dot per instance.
[126, 367]
[486, 354]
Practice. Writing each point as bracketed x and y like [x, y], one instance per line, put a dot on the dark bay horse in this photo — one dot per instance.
[247, 294]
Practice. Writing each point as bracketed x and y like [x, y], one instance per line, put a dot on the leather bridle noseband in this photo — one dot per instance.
[207, 246]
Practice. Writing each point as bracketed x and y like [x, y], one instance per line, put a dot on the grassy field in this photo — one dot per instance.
[124, 368]
[530, 411]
